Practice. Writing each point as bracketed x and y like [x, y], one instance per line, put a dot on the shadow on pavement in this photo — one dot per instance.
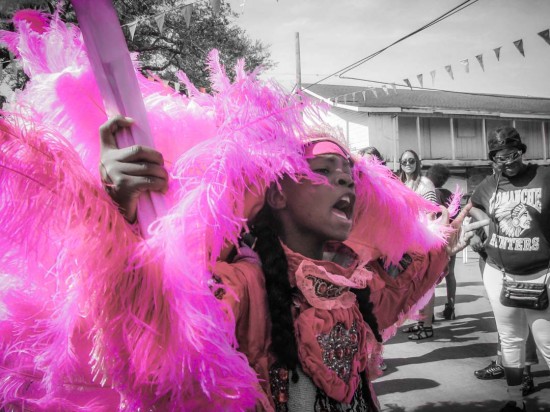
[487, 406]
[476, 350]
[403, 385]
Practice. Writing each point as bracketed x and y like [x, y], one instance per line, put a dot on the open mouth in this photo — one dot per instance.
[343, 208]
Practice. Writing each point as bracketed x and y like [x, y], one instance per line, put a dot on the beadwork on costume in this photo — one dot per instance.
[339, 347]
[217, 287]
[279, 381]
[325, 289]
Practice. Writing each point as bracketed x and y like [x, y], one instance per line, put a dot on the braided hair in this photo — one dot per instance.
[279, 291]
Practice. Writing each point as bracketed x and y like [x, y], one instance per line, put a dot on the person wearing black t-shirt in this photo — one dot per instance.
[517, 200]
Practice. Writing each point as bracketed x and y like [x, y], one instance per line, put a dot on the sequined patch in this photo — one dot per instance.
[339, 347]
[216, 286]
[279, 381]
[324, 289]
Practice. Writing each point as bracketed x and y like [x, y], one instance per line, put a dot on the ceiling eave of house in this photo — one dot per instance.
[429, 110]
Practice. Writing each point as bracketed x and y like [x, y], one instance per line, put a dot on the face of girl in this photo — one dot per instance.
[408, 163]
[319, 212]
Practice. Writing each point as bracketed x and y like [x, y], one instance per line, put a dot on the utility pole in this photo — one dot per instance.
[298, 64]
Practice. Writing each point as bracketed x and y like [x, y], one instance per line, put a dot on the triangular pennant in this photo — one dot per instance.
[132, 28]
[187, 10]
[160, 21]
[394, 88]
[479, 58]
[519, 46]
[177, 86]
[450, 71]
[215, 6]
[545, 34]
[466, 65]
[373, 90]
[364, 93]
[432, 73]
[497, 52]
[420, 78]
[408, 83]
[385, 88]
[353, 94]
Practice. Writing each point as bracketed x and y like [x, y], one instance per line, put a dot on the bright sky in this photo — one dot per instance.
[335, 34]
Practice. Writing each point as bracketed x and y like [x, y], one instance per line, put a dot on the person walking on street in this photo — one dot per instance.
[439, 174]
[517, 199]
[410, 173]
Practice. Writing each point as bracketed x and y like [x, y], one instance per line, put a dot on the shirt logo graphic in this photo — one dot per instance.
[513, 219]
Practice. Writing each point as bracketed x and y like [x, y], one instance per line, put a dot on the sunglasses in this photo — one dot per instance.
[510, 157]
[406, 162]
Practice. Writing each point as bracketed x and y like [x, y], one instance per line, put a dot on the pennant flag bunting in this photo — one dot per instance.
[519, 46]
[353, 96]
[432, 73]
[373, 90]
[364, 93]
[177, 86]
[187, 14]
[466, 65]
[497, 52]
[132, 28]
[385, 89]
[215, 6]
[408, 83]
[545, 34]
[479, 58]
[160, 21]
[450, 71]
[420, 78]
[394, 88]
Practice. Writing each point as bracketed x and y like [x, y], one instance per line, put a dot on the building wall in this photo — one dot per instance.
[438, 145]
[468, 135]
[392, 134]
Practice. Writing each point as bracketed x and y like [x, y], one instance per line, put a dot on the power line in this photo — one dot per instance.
[445, 15]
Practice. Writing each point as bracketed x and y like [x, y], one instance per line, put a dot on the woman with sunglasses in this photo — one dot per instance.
[516, 199]
[410, 173]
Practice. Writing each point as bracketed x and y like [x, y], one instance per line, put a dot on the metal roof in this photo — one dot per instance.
[404, 100]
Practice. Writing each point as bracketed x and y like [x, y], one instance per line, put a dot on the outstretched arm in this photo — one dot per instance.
[462, 234]
[128, 172]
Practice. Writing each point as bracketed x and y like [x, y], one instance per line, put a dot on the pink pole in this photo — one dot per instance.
[110, 59]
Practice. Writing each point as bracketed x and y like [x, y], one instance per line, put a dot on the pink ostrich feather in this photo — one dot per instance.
[55, 223]
[390, 219]
[453, 206]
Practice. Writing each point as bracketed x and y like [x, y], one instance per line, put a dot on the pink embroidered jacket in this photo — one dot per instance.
[326, 311]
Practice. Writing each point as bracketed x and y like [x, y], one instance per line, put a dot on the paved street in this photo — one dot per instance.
[437, 374]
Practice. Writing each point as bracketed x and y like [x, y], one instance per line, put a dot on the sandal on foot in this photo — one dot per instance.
[424, 332]
[415, 327]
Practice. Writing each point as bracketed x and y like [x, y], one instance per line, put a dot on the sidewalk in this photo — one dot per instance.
[437, 375]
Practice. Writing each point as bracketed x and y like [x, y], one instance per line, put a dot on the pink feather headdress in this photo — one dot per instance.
[76, 279]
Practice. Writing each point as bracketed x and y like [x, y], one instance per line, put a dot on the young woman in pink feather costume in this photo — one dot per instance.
[93, 317]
